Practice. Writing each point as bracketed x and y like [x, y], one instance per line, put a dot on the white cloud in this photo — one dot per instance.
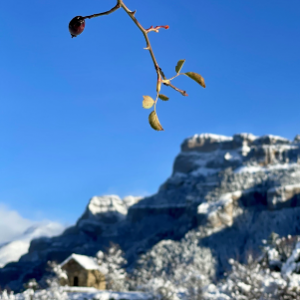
[11, 224]
[16, 233]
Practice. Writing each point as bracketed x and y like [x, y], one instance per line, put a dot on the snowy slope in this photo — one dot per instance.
[13, 250]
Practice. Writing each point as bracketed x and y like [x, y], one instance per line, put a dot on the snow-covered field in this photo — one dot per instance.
[59, 293]
[174, 271]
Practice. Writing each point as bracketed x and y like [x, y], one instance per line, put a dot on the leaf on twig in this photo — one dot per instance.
[148, 102]
[197, 77]
[163, 97]
[179, 65]
[154, 122]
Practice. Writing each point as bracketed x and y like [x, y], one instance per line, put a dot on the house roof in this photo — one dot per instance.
[87, 262]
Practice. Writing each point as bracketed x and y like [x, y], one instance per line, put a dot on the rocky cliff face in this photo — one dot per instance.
[230, 192]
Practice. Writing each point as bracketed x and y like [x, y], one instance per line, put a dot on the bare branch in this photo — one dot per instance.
[145, 32]
[118, 5]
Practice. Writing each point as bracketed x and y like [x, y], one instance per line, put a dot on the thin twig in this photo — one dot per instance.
[156, 28]
[145, 33]
[182, 92]
[131, 14]
[118, 5]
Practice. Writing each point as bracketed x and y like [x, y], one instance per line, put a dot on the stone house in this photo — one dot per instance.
[83, 271]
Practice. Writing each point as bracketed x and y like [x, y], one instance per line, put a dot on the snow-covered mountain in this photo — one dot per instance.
[225, 194]
[13, 250]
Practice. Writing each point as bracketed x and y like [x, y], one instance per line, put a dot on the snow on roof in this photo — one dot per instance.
[87, 262]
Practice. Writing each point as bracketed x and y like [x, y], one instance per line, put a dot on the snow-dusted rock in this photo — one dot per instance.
[104, 214]
[219, 213]
[231, 192]
[284, 196]
[131, 200]
[293, 262]
[297, 138]
[205, 142]
[106, 209]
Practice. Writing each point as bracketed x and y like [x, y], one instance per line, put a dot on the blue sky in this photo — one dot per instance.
[71, 121]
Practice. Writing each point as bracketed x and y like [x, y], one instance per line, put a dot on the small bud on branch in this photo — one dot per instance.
[156, 29]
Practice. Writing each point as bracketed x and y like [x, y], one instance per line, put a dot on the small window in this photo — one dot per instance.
[75, 281]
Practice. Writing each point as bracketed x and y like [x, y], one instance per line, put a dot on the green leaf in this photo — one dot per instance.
[163, 97]
[148, 102]
[197, 77]
[179, 65]
[154, 122]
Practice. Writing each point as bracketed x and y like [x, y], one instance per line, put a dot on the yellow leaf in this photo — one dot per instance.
[197, 77]
[179, 65]
[154, 122]
[148, 102]
[163, 97]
